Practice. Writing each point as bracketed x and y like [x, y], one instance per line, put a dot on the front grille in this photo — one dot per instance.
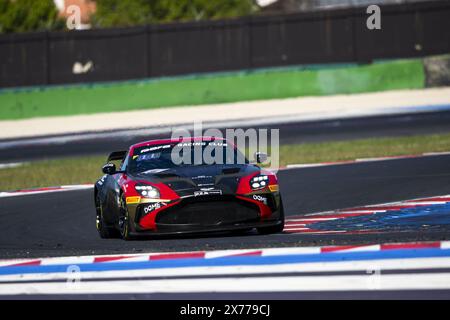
[203, 181]
[209, 211]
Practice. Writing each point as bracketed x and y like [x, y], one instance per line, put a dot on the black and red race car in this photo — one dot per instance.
[151, 194]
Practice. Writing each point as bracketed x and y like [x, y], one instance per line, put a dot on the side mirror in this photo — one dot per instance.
[260, 157]
[109, 168]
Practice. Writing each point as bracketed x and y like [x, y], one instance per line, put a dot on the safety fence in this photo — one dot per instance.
[331, 36]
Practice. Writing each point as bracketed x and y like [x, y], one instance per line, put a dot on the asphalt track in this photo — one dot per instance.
[290, 133]
[62, 224]
[289, 295]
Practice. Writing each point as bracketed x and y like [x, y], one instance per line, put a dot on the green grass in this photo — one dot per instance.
[87, 169]
[53, 172]
[366, 148]
[208, 89]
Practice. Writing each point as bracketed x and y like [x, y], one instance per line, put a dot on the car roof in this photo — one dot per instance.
[169, 141]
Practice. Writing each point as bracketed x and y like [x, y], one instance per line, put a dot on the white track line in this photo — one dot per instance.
[11, 165]
[41, 190]
[433, 281]
[363, 265]
[363, 160]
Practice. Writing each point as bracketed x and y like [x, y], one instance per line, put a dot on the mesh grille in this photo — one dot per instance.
[209, 212]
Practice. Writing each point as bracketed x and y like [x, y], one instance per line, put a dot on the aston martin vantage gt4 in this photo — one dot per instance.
[162, 187]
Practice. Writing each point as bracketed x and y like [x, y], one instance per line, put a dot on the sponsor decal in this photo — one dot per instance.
[156, 148]
[218, 144]
[260, 198]
[102, 180]
[207, 192]
[155, 171]
[133, 200]
[202, 143]
[201, 177]
[154, 206]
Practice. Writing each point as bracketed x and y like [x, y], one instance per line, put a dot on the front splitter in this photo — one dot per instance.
[192, 230]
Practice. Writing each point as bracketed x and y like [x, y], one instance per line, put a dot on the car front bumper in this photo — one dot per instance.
[209, 214]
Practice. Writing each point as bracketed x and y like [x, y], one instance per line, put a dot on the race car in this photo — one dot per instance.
[161, 187]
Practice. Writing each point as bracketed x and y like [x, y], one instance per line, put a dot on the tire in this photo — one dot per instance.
[124, 222]
[105, 231]
[274, 229]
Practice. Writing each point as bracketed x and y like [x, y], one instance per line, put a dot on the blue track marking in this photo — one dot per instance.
[234, 261]
[433, 217]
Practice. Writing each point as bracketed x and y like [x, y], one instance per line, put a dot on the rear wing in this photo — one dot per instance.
[117, 155]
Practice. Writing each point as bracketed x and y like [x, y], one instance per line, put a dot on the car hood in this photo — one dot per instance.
[187, 180]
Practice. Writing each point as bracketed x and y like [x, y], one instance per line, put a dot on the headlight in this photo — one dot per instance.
[259, 182]
[147, 191]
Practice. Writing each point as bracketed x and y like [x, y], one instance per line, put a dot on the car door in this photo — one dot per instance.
[113, 185]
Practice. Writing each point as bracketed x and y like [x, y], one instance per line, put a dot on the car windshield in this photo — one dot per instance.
[166, 156]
